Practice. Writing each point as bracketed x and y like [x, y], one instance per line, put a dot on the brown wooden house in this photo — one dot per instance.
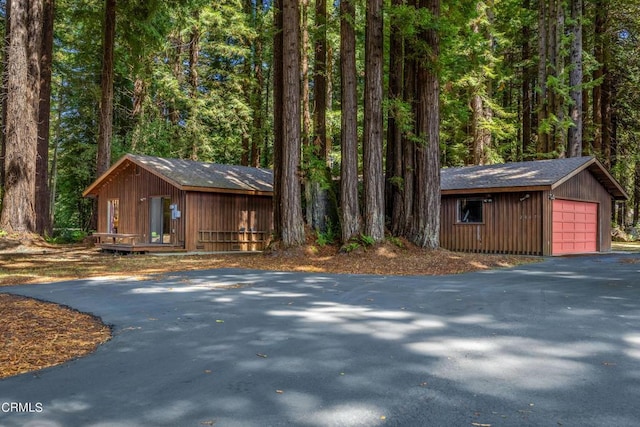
[154, 204]
[546, 207]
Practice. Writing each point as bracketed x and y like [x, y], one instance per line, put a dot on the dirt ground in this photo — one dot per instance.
[40, 334]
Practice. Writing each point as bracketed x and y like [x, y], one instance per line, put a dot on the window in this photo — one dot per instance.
[470, 210]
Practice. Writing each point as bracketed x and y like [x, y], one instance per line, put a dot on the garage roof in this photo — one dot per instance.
[526, 176]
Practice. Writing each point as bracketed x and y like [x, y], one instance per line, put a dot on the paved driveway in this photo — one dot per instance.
[550, 344]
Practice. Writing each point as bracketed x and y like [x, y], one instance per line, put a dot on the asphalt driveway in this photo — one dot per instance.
[549, 344]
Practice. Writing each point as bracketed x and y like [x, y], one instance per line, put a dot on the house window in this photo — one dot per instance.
[470, 211]
[113, 215]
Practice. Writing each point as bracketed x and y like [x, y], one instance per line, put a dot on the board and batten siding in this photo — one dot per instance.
[133, 187]
[222, 216]
[512, 224]
[586, 188]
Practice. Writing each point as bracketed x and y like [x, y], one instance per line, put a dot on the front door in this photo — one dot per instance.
[160, 218]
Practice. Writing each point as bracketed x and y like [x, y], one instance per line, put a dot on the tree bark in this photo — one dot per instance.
[278, 113]
[319, 192]
[291, 221]
[599, 48]
[394, 161]
[526, 87]
[426, 214]
[21, 130]
[574, 148]
[350, 214]
[43, 193]
[373, 174]
[257, 100]
[194, 82]
[105, 131]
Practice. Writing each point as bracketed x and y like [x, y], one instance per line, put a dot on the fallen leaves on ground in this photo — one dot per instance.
[37, 334]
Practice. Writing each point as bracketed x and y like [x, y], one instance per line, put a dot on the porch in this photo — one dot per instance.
[128, 243]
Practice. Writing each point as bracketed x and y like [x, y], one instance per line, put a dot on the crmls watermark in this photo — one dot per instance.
[21, 407]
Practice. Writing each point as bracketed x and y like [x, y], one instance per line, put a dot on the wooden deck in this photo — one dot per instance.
[139, 248]
[128, 243]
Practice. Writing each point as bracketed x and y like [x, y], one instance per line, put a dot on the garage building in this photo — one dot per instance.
[544, 207]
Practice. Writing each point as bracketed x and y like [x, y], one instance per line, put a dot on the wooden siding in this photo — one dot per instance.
[517, 225]
[584, 187]
[228, 217]
[510, 225]
[133, 187]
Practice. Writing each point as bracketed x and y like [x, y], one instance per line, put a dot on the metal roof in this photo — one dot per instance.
[538, 174]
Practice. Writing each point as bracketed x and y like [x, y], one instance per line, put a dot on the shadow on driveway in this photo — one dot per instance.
[554, 343]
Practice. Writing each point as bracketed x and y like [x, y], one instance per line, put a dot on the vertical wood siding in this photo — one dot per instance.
[134, 187]
[515, 226]
[228, 213]
[510, 226]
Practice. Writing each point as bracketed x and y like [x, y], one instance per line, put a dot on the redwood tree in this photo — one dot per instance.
[43, 193]
[21, 129]
[373, 172]
[105, 131]
[349, 212]
[287, 179]
[425, 231]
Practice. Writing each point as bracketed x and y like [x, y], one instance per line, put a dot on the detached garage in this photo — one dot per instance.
[545, 207]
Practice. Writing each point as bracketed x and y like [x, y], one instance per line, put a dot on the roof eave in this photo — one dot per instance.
[227, 191]
[491, 190]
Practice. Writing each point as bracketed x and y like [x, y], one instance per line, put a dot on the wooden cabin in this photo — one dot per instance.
[546, 207]
[152, 204]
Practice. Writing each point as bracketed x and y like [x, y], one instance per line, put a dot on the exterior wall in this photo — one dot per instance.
[133, 187]
[510, 225]
[228, 222]
[584, 187]
[516, 226]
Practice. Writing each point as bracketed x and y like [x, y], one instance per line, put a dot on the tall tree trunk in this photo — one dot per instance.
[373, 172]
[408, 151]
[43, 194]
[481, 112]
[527, 84]
[194, 82]
[543, 99]
[350, 214]
[105, 131]
[426, 214]
[278, 114]
[319, 200]
[304, 71]
[574, 148]
[257, 134]
[600, 28]
[607, 109]
[291, 221]
[526, 87]
[394, 182]
[3, 95]
[21, 130]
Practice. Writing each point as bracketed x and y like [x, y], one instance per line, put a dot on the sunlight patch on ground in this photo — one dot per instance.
[634, 346]
[521, 363]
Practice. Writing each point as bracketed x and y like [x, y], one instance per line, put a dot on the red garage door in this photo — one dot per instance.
[575, 227]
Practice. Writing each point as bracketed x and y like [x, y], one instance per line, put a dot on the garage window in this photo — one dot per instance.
[470, 211]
